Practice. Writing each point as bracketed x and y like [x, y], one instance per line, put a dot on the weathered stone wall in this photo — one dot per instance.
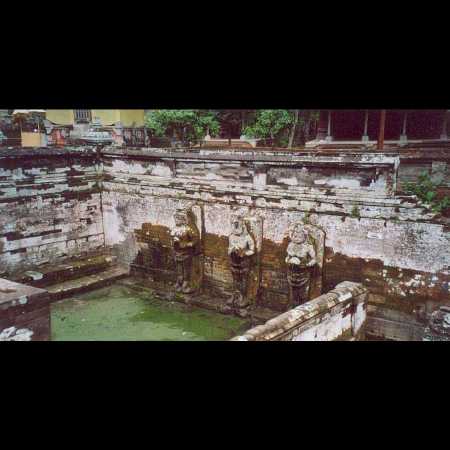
[337, 315]
[50, 206]
[57, 204]
[388, 242]
[435, 162]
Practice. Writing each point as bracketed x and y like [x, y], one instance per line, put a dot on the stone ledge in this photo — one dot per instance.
[21, 152]
[14, 294]
[313, 158]
[87, 283]
[344, 293]
[48, 274]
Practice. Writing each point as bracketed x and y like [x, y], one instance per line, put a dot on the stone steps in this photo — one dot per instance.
[48, 275]
[86, 283]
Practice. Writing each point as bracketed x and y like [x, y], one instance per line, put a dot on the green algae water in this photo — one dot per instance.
[118, 313]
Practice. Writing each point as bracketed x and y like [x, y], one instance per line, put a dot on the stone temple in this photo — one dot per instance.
[315, 243]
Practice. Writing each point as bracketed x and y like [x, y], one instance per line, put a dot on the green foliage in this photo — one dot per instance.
[184, 124]
[426, 190]
[284, 127]
[270, 123]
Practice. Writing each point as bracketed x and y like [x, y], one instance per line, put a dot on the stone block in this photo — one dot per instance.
[24, 312]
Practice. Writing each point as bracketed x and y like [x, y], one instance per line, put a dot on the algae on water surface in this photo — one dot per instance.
[117, 313]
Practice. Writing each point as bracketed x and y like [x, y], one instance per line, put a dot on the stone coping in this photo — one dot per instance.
[20, 152]
[412, 151]
[341, 294]
[312, 158]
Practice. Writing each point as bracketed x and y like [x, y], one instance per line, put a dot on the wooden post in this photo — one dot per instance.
[381, 132]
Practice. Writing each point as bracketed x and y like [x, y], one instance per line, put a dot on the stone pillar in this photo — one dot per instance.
[260, 177]
[380, 144]
[329, 137]
[118, 134]
[365, 136]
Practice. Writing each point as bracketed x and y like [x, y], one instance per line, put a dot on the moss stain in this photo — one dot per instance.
[117, 313]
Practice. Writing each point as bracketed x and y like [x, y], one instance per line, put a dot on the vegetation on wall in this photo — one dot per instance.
[427, 191]
[355, 212]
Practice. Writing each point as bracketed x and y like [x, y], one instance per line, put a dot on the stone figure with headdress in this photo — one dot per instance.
[300, 260]
[241, 248]
[185, 237]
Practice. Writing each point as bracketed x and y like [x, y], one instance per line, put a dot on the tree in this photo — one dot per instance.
[285, 127]
[293, 127]
[182, 124]
[270, 123]
[230, 122]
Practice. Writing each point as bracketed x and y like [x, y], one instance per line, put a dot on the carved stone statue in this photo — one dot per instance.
[241, 248]
[185, 238]
[301, 260]
[438, 328]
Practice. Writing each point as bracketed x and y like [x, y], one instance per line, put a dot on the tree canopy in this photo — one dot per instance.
[282, 127]
[183, 124]
[270, 123]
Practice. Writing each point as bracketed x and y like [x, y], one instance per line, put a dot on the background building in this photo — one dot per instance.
[106, 117]
[380, 128]
[125, 125]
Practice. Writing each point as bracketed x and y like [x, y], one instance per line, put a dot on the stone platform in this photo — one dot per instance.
[24, 312]
[50, 274]
[87, 283]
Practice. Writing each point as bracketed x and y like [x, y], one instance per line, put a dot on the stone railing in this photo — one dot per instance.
[336, 315]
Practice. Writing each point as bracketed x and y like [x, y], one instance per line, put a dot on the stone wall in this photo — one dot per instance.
[339, 314]
[390, 243]
[58, 204]
[50, 206]
[434, 161]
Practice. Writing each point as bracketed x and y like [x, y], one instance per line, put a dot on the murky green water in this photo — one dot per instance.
[117, 313]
